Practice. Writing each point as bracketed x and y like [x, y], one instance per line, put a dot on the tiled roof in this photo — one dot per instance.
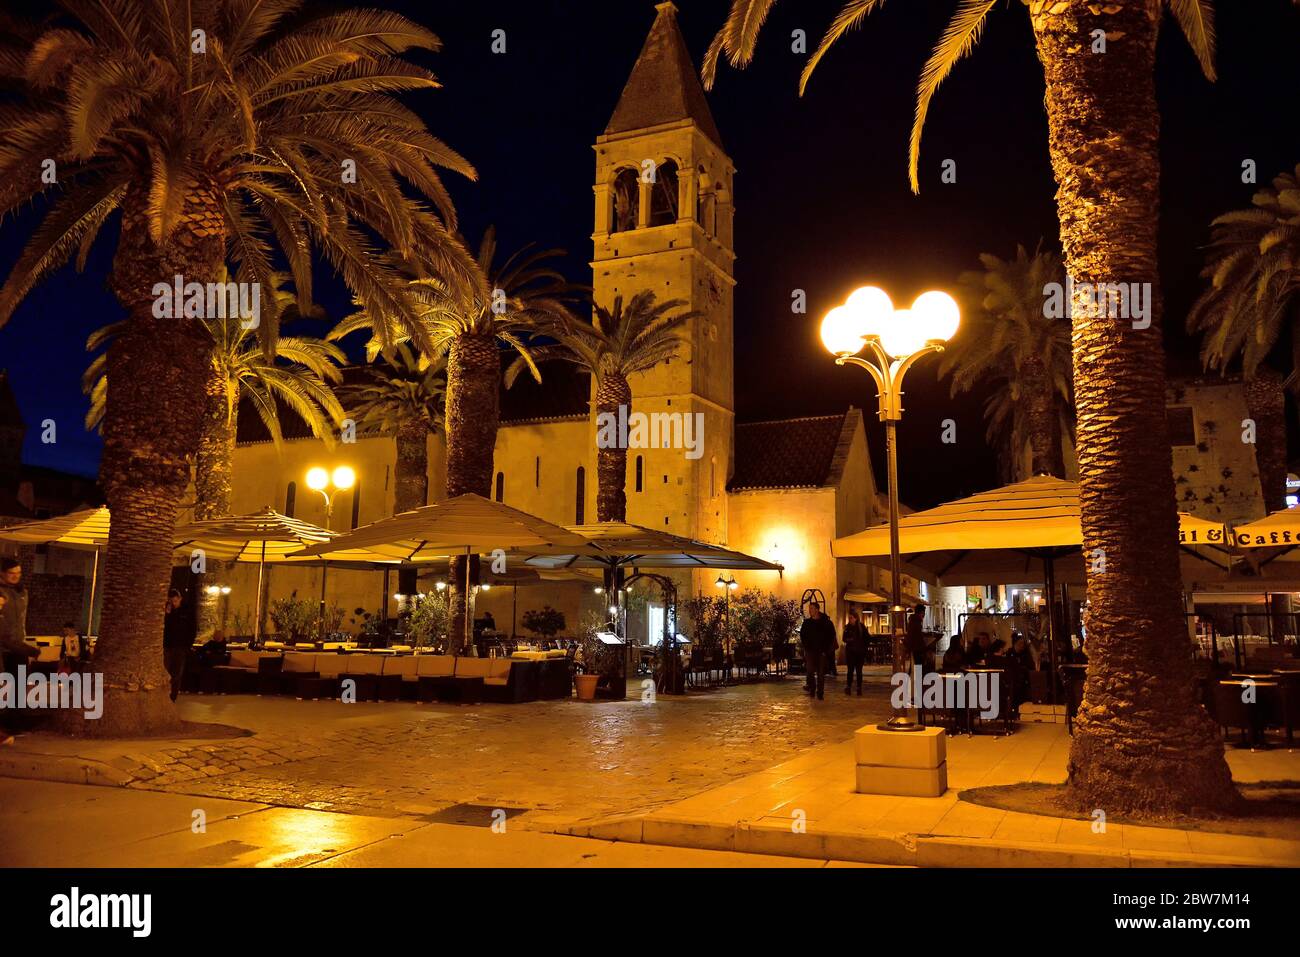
[790, 453]
[663, 87]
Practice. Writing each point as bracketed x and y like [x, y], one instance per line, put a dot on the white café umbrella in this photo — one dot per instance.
[265, 537]
[87, 528]
[465, 525]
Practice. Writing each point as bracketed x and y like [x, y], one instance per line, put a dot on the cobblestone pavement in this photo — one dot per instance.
[563, 761]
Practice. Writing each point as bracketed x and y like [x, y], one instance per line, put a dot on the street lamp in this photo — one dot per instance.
[329, 485]
[342, 479]
[893, 340]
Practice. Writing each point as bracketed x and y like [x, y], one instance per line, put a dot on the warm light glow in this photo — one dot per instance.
[212, 590]
[598, 590]
[442, 586]
[486, 587]
[613, 609]
[938, 315]
[904, 334]
[842, 332]
[872, 307]
[317, 479]
[344, 477]
[225, 589]
[733, 584]
[398, 595]
[721, 582]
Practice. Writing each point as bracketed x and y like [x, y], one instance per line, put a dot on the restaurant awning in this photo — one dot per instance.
[618, 544]
[1002, 537]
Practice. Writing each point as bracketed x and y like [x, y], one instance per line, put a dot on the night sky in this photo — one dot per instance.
[822, 201]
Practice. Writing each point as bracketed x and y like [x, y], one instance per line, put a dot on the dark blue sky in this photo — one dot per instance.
[821, 191]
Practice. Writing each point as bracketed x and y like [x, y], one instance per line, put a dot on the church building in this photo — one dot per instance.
[664, 203]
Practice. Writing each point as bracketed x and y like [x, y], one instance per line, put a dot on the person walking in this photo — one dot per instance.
[817, 635]
[178, 638]
[855, 651]
[14, 649]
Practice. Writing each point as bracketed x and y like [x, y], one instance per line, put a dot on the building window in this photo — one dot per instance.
[663, 195]
[626, 197]
[356, 502]
[290, 497]
[640, 472]
[537, 472]
[1182, 425]
[580, 511]
[501, 486]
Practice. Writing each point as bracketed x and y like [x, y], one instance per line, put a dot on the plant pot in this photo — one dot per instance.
[587, 687]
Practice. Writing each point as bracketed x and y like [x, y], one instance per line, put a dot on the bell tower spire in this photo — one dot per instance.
[663, 223]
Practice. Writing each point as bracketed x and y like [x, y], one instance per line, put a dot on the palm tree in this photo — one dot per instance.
[1143, 741]
[469, 325]
[1253, 268]
[617, 344]
[241, 371]
[221, 131]
[1007, 338]
[402, 398]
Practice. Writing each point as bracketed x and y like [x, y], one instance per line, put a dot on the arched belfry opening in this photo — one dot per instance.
[626, 200]
[664, 194]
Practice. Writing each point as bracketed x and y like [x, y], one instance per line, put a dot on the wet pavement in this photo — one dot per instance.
[555, 761]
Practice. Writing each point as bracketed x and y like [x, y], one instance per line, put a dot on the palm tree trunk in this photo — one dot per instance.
[412, 473]
[1142, 740]
[612, 394]
[1266, 404]
[473, 413]
[1044, 421]
[152, 423]
[212, 484]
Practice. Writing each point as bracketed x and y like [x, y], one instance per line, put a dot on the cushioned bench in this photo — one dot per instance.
[399, 678]
[435, 677]
[365, 670]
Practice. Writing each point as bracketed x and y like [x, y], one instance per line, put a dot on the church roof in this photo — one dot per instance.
[564, 393]
[807, 452]
[664, 86]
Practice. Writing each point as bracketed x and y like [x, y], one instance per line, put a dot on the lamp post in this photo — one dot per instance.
[728, 585]
[893, 340]
[329, 485]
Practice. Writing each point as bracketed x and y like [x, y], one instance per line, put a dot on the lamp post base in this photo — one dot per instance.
[902, 722]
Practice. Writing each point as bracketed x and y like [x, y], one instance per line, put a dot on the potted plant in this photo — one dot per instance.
[596, 662]
[546, 622]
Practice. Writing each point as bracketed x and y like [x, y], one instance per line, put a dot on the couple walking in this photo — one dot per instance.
[817, 635]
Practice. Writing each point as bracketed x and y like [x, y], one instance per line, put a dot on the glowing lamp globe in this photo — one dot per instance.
[873, 308]
[938, 315]
[317, 479]
[842, 332]
[904, 334]
[344, 477]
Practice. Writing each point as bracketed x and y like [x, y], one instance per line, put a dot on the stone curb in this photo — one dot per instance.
[916, 850]
[62, 769]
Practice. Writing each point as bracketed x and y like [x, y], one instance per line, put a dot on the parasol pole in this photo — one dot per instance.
[469, 625]
[94, 581]
[257, 613]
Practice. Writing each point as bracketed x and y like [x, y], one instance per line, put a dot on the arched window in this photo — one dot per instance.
[290, 498]
[663, 195]
[537, 472]
[356, 502]
[580, 512]
[640, 471]
[627, 201]
[501, 486]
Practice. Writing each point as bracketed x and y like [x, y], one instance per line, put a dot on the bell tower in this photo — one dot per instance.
[663, 223]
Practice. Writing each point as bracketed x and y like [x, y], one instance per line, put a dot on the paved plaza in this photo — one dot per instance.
[550, 763]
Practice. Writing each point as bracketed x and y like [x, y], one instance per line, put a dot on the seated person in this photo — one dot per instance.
[69, 647]
[214, 651]
[954, 659]
[979, 652]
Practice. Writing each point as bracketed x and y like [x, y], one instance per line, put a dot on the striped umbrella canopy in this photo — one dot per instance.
[85, 529]
[1001, 537]
[264, 536]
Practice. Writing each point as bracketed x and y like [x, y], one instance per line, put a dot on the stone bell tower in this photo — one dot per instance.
[664, 223]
